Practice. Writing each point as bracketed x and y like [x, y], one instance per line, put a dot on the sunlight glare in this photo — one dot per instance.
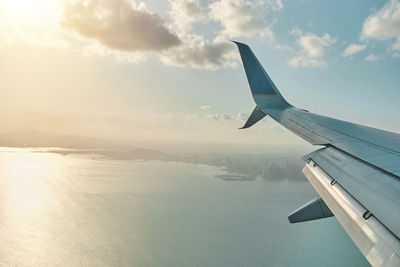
[30, 13]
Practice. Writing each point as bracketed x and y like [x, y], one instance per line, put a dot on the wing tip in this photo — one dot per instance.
[239, 44]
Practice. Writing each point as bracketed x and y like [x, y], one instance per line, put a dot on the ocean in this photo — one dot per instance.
[84, 210]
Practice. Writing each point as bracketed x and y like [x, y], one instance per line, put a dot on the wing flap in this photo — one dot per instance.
[375, 240]
[379, 192]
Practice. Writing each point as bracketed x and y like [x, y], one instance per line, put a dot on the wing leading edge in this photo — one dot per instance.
[357, 174]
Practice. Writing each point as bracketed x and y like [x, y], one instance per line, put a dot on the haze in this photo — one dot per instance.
[164, 71]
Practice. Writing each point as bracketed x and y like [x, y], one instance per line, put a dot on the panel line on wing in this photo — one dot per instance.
[388, 150]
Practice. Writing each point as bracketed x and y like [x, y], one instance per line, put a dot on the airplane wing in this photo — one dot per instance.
[356, 172]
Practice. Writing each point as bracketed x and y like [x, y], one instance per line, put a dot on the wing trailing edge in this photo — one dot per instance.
[377, 242]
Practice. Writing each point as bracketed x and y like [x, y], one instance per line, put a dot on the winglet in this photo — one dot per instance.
[264, 91]
[255, 117]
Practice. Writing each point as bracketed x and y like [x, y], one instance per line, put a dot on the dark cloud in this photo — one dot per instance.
[118, 25]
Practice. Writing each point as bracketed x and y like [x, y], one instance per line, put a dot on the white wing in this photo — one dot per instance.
[356, 173]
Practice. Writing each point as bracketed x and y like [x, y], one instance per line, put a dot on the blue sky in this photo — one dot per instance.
[164, 71]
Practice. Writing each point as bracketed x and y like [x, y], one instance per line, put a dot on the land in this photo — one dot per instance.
[239, 166]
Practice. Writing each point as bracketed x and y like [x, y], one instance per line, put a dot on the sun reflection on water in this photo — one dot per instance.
[27, 202]
[27, 175]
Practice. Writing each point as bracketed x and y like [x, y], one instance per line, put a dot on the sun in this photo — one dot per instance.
[31, 21]
[30, 13]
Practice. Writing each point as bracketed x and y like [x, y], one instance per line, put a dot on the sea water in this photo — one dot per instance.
[82, 210]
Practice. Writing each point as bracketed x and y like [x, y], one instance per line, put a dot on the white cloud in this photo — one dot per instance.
[353, 49]
[242, 18]
[118, 25]
[371, 58]
[242, 116]
[205, 107]
[384, 24]
[200, 53]
[184, 13]
[314, 45]
[10, 33]
[222, 117]
[96, 49]
[312, 49]
[276, 4]
[396, 45]
[301, 61]
[238, 18]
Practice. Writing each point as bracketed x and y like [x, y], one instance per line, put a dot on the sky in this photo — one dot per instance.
[165, 71]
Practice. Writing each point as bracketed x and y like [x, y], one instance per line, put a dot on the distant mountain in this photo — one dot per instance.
[33, 138]
[239, 166]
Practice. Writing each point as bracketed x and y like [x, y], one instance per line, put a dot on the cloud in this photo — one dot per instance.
[371, 58]
[301, 61]
[200, 53]
[241, 18]
[313, 45]
[96, 49]
[353, 49]
[205, 107]
[119, 25]
[384, 24]
[185, 13]
[276, 4]
[242, 116]
[238, 18]
[222, 117]
[312, 49]
[10, 33]
[128, 31]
